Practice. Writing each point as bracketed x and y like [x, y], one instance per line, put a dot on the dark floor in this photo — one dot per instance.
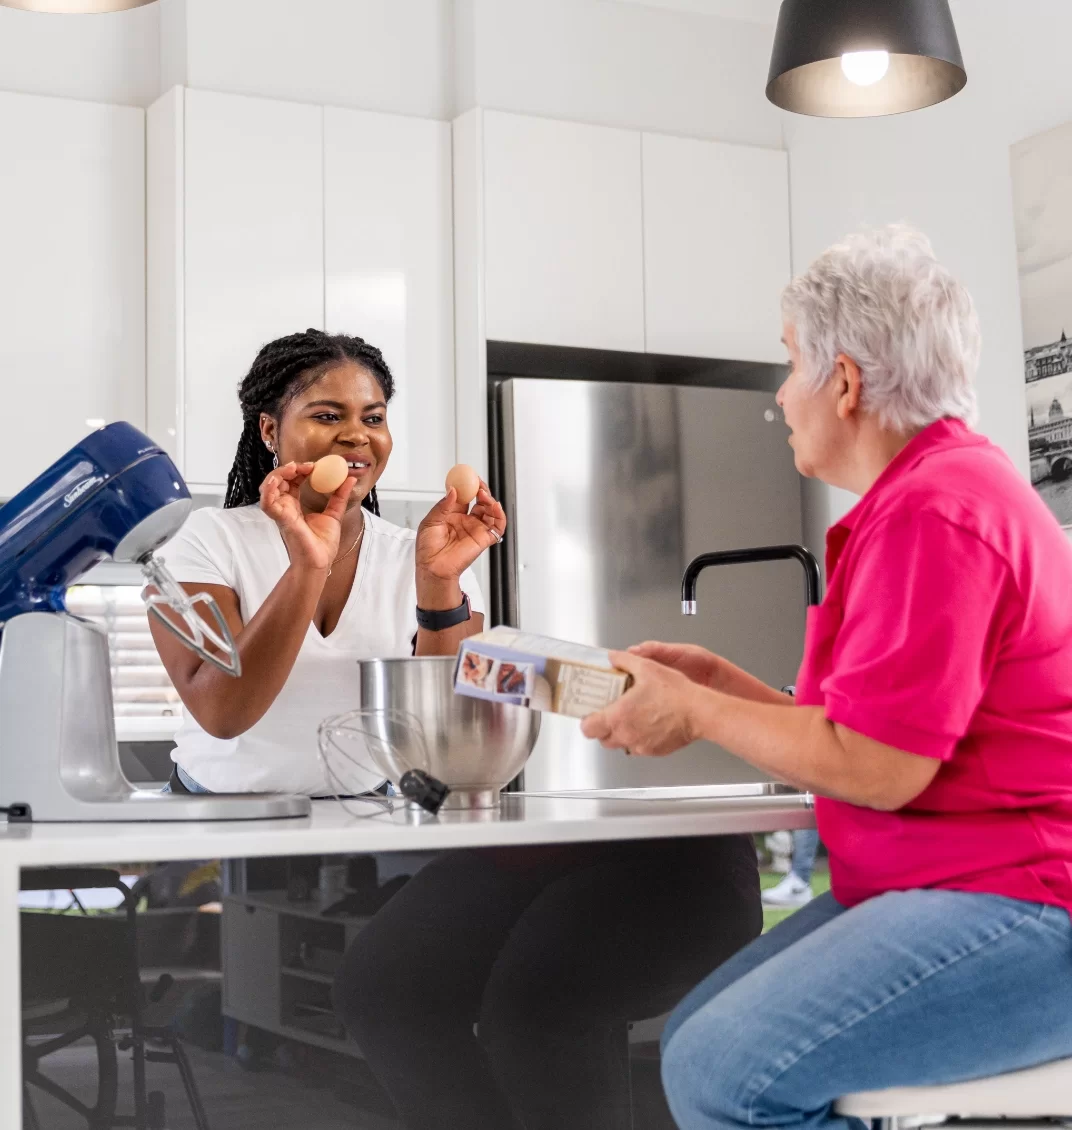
[317, 1094]
[234, 1098]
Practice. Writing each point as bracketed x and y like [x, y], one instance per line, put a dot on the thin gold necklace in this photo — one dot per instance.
[348, 552]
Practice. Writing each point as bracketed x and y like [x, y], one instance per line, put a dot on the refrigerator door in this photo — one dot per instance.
[611, 490]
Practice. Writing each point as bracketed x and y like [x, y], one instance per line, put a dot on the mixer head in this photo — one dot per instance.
[115, 494]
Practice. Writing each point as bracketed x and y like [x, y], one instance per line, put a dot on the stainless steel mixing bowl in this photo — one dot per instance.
[416, 721]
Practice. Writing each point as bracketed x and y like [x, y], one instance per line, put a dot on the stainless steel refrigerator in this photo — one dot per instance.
[611, 489]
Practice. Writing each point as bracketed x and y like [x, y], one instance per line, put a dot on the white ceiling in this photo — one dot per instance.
[755, 11]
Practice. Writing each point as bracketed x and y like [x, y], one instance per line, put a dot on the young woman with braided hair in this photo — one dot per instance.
[309, 583]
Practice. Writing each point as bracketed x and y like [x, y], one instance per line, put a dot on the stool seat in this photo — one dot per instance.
[1036, 1092]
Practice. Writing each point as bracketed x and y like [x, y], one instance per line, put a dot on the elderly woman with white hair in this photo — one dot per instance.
[932, 719]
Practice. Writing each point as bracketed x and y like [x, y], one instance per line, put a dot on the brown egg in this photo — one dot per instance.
[465, 481]
[328, 474]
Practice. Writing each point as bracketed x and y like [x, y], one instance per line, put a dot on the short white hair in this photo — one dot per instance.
[882, 298]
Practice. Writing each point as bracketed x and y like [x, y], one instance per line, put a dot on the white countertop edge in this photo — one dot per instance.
[330, 830]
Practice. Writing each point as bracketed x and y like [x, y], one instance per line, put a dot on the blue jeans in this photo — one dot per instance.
[188, 781]
[805, 845]
[909, 988]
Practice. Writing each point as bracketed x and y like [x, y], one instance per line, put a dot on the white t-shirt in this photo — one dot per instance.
[243, 549]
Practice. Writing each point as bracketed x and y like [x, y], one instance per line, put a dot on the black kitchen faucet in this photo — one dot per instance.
[748, 557]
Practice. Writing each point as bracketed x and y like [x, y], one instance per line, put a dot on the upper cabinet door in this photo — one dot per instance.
[72, 276]
[563, 233]
[716, 248]
[254, 254]
[389, 274]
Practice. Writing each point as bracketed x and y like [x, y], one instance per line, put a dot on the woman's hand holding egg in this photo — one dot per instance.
[312, 539]
[452, 536]
[328, 474]
[465, 481]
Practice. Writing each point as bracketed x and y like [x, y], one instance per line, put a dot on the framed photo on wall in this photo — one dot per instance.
[1042, 197]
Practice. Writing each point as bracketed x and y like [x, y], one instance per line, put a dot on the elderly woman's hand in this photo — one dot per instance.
[655, 717]
[694, 662]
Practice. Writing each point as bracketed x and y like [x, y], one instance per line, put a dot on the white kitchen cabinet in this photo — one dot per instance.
[267, 218]
[279, 956]
[72, 276]
[388, 264]
[563, 237]
[235, 258]
[716, 248]
[254, 253]
[250, 959]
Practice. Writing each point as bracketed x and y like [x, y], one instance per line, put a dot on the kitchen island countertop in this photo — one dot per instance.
[522, 819]
[331, 829]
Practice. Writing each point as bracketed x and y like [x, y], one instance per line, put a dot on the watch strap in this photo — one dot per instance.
[441, 620]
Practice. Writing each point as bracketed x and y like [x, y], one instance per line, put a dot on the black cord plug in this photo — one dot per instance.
[427, 791]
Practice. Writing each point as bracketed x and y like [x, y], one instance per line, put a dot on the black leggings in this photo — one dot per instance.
[550, 951]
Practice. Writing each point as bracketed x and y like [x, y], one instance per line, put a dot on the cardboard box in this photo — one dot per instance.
[505, 665]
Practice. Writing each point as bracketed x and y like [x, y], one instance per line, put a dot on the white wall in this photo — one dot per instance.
[102, 58]
[675, 67]
[630, 65]
[758, 11]
[172, 44]
[946, 169]
[1026, 45]
[389, 55]
[671, 66]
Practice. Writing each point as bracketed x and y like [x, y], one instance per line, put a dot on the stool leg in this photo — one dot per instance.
[629, 1078]
[29, 1115]
[107, 1077]
[190, 1083]
[140, 1098]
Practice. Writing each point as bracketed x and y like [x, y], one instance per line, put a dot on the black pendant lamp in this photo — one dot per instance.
[864, 58]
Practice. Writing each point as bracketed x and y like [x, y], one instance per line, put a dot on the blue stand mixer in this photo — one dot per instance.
[118, 495]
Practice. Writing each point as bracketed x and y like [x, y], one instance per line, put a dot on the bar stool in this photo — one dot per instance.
[1036, 1094]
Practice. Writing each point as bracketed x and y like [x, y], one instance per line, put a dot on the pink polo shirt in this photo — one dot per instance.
[947, 632]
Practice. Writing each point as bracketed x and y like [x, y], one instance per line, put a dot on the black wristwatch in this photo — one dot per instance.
[438, 621]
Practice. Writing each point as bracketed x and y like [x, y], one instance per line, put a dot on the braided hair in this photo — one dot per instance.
[284, 369]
